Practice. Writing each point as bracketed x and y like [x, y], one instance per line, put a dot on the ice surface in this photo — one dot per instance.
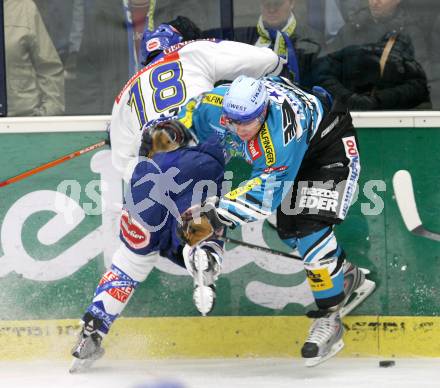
[231, 373]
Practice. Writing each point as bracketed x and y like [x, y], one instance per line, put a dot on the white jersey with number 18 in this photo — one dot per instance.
[179, 73]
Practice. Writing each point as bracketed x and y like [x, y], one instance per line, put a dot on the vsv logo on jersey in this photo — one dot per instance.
[254, 149]
[266, 141]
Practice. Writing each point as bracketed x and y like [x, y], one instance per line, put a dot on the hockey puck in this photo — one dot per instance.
[387, 363]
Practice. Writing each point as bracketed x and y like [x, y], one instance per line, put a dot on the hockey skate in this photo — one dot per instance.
[325, 337]
[205, 272]
[356, 287]
[87, 348]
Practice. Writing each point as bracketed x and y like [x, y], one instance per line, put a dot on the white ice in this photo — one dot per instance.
[231, 373]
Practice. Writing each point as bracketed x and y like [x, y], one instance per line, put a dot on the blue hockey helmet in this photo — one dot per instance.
[153, 42]
[167, 35]
[245, 100]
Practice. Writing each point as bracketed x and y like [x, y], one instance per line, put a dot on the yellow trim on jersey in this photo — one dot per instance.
[266, 141]
[187, 120]
[239, 191]
[213, 99]
[275, 336]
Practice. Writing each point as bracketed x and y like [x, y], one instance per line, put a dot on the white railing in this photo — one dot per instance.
[394, 119]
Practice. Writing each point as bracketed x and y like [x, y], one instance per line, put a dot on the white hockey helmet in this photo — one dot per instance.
[245, 100]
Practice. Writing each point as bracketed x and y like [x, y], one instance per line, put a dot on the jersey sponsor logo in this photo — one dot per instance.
[119, 293]
[351, 152]
[272, 169]
[213, 99]
[254, 149]
[318, 198]
[266, 141]
[238, 192]
[153, 44]
[350, 146]
[133, 232]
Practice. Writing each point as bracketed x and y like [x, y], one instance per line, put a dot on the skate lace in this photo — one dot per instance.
[321, 331]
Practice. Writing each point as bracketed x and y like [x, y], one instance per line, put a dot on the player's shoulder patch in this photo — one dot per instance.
[133, 233]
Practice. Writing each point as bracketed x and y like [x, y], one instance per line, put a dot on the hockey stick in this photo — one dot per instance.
[53, 163]
[403, 189]
[259, 248]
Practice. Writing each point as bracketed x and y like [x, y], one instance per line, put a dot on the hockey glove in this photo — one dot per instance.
[200, 222]
[164, 136]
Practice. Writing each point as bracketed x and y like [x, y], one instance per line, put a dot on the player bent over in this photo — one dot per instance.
[161, 188]
[298, 141]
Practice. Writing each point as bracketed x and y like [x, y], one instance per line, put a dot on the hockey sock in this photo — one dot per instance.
[110, 298]
[323, 259]
[291, 242]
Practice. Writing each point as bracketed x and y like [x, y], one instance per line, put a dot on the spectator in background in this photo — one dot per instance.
[108, 55]
[291, 38]
[329, 16]
[377, 60]
[34, 72]
[64, 21]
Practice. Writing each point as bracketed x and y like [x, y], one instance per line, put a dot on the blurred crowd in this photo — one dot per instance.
[73, 57]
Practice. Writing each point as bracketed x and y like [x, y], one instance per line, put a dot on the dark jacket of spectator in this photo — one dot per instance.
[353, 70]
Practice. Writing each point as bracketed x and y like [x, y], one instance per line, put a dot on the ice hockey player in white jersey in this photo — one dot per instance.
[177, 68]
[175, 71]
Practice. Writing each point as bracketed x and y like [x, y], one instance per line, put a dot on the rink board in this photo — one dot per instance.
[217, 337]
[51, 258]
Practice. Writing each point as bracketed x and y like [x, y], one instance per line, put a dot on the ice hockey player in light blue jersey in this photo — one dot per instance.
[303, 148]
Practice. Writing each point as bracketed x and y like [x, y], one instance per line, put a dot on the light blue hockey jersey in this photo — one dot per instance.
[275, 154]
